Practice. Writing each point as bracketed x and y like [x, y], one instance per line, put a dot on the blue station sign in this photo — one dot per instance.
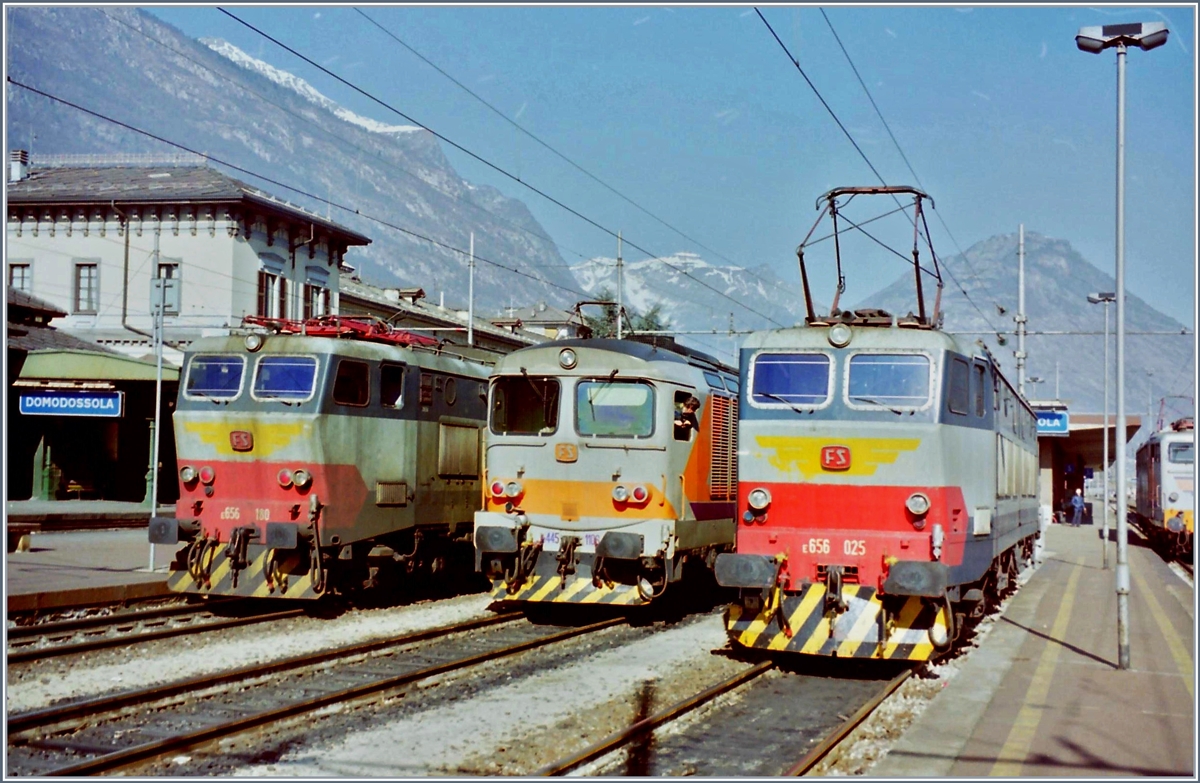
[105, 404]
[1053, 422]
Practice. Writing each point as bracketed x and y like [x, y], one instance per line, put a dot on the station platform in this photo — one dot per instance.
[62, 570]
[1042, 696]
[23, 517]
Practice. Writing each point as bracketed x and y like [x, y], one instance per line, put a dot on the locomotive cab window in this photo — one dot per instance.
[1181, 453]
[959, 392]
[714, 381]
[786, 379]
[351, 385]
[214, 377]
[980, 409]
[614, 408]
[889, 379]
[391, 385]
[524, 405]
[682, 431]
[285, 378]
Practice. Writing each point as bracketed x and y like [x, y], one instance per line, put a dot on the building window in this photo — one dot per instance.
[20, 276]
[316, 301]
[87, 287]
[272, 295]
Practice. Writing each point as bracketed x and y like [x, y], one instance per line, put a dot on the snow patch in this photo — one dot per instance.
[301, 87]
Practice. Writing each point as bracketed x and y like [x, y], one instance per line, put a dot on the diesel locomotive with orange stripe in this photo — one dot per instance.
[593, 492]
[887, 482]
[321, 457]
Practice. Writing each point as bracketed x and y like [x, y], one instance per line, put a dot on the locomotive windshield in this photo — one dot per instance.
[614, 408]
[1181, 453]
[889, 379]
[285, 377]
[214, 377]
[791, 378]
[524, 405]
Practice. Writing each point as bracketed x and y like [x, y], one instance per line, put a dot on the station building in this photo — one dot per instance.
[1071, 447]
[85, 239]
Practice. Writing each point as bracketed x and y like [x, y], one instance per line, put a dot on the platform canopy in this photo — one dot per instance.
[81, 365]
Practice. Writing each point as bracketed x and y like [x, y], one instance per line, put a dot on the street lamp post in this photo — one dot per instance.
[1105, 298]
[1145, 35]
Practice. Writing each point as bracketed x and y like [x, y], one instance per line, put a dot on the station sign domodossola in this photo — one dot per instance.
[105, 404]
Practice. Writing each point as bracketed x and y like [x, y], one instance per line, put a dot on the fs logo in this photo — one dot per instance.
[241, 440]
[835, 457]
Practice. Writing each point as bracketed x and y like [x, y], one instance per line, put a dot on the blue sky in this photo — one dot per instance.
[696, 114]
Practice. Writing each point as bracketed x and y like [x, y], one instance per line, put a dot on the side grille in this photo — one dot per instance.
[391, 493]
[722, 477]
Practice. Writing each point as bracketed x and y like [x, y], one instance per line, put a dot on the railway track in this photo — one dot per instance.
[122, 731]
[32, 643]
[776, 721]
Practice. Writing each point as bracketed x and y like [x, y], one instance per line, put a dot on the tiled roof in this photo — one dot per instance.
[150, 184]
[43, 337]
[21, 305]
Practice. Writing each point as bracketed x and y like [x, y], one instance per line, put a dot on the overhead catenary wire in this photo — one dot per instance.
[899, 149]
[856, 146]
[498, 169]
[373, 156]
[562, 156]
[299, 191]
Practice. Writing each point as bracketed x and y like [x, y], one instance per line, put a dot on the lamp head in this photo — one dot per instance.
[1144, 35]
[1097, 298]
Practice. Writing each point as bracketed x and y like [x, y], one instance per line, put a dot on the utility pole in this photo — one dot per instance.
[471, 294]
[620, 286]
[1021, 310]
[1122, 499]
[159, 305]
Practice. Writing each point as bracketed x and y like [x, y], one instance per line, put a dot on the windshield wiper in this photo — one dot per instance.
[877, 402]
[780, 399]
[536, 390]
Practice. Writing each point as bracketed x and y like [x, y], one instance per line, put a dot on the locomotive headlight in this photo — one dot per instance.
[1173, 497]
[284, 477]
[512, 489]
[917, 504]
[301, 478]
[207, 475]
[498, 489]
[253, 342]
[567, 359]
[759, 499]
[839, 335]
[620, 493]
[187, 474]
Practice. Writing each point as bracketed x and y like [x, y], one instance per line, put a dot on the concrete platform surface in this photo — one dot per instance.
[75, 568]
[1043, 697]
[89, 513]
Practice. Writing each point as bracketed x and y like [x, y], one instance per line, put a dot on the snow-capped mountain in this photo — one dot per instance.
[303, 88]
[126, 64]
[696, 295]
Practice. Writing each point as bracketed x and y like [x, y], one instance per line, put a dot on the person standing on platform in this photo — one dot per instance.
[1077, 506]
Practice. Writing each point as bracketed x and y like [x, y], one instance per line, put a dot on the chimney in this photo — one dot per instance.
[18, 166]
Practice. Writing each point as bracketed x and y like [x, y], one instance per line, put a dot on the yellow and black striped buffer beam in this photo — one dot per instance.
[575, 590]
[251, 581]
[800, 624]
